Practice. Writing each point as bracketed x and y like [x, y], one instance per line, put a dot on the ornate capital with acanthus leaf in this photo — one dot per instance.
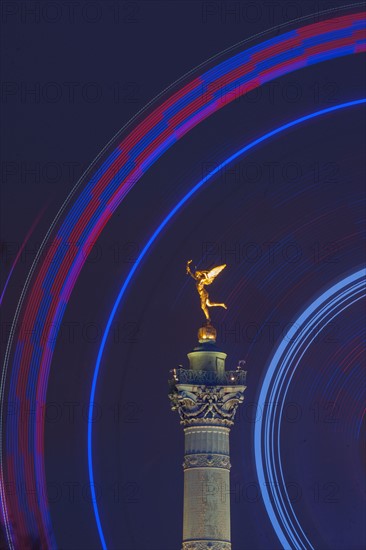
[206, 404]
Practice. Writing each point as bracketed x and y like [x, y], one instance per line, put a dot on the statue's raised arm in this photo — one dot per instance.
[188, 269]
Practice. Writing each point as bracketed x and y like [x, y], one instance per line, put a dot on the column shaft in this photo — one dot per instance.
[206, 514]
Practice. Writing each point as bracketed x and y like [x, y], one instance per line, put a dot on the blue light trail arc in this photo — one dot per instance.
[278, 378]
[142, 254]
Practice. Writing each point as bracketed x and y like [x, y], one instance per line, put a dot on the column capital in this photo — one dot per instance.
[206, 404]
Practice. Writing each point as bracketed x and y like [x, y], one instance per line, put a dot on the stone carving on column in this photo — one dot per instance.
[206, 461]
[206, 545]
[195, 404]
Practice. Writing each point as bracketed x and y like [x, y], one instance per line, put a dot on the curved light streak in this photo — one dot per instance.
[144, 251]
[274, 390]
[19, 253]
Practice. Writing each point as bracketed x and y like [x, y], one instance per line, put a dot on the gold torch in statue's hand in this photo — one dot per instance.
[204, 278]
[188, 269]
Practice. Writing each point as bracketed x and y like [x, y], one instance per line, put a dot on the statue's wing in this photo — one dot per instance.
[215, 271]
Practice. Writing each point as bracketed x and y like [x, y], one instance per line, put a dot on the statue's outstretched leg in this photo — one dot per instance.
[213, 304]
[205, 310]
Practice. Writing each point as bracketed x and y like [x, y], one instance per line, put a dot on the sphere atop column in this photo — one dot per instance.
[207, 333]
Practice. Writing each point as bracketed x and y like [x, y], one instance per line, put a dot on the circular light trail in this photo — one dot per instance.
[274, 389]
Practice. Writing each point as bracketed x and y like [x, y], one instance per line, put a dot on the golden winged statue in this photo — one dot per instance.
[204, 278]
